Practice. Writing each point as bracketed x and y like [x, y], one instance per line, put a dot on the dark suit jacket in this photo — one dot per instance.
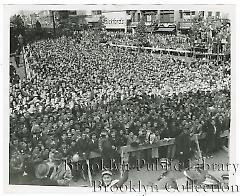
[44, 182]
[220, 128]
[122, 140]
[114, 142]
[210, 132]
[93, 145]
[82, 145]
[183, 143]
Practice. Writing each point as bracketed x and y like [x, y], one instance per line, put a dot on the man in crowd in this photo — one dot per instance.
[183, 148]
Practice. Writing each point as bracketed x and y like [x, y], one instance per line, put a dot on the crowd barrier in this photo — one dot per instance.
[176, 52]
[163, 142]
[125, 150]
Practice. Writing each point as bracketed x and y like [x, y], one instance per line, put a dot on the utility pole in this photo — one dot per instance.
[54, 24]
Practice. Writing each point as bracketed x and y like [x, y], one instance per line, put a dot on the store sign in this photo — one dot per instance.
[115, 20]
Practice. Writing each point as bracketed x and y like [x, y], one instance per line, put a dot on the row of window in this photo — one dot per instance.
[168, 15]
[94, 12]
[201, 13]
[162, 13]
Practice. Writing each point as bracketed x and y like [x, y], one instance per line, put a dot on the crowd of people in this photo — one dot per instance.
[203, 41]
[14, 77]
[207, 36]
[165, 41]
[86, 97]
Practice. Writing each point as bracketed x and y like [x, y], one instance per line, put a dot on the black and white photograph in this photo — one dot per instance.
[120, 97]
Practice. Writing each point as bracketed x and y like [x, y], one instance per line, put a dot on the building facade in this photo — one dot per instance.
[127, 20]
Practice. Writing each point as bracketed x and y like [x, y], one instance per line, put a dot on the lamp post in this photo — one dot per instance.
[20, 41]
[53, 21]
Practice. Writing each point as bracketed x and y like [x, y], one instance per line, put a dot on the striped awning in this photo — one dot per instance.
[165, 29]
[92, 20]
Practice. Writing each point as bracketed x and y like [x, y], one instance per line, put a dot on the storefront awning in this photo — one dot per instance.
[92, 20]
[150, 29]
[165, 29]
[185, 28]
[134, 24]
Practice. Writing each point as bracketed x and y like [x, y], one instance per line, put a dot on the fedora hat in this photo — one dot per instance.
[42, 170]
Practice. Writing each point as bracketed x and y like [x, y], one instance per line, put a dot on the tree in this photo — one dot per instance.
[16, 28]
[141, 33]
[38, 30]
[101, 23]
[18, 24]
[155, 24]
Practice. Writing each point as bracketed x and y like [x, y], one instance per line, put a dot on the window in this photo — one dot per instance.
[138, 17]
[149, 18]
[96, 12]
[72, 12]
[166, 11]
[201, 14]
[181, 14]
[166, 16]
[209, 14]
[193, 12]
[171, 17]
[133, 17]
[217, 14]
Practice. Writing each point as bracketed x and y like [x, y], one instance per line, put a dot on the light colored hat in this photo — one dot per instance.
[75, 158]
[107, 173]
[104, 133]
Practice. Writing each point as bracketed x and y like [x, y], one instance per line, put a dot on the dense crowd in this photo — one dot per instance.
[207, 36]
[14, 77]
[203, 41]
[165, 41]
[86, 96]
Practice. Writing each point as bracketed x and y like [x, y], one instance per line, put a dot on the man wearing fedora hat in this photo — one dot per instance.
[41, 174]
